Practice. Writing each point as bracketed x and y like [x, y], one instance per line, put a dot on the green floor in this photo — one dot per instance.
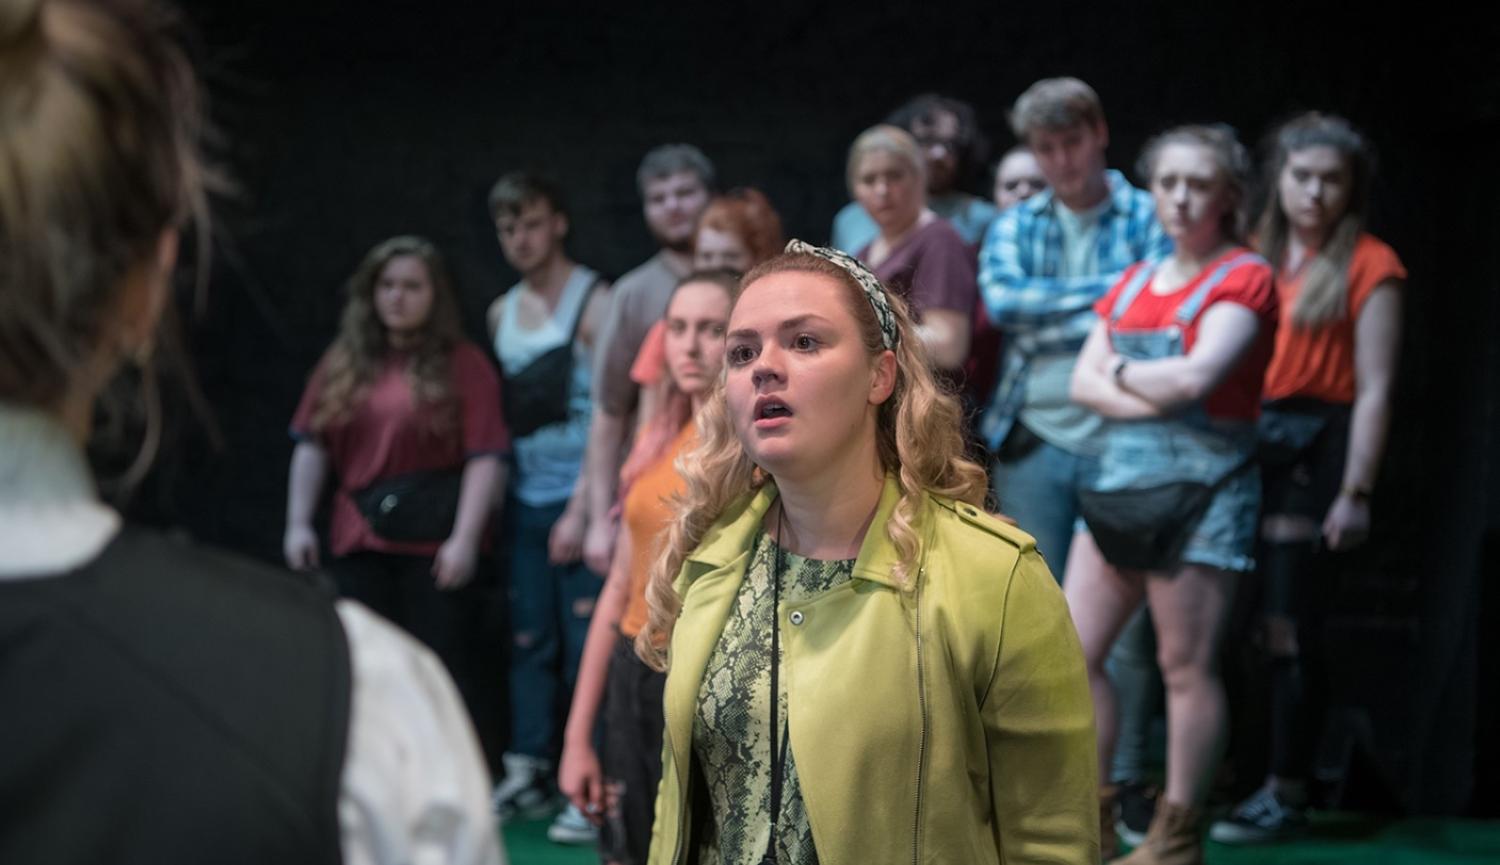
[1336, 839]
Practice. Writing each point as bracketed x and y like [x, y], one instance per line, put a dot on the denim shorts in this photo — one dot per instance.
[1225, 535]
[1148, 454]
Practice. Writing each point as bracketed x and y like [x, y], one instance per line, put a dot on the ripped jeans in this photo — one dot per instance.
[550, 607]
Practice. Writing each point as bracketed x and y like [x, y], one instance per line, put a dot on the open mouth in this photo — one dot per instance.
[770, 408]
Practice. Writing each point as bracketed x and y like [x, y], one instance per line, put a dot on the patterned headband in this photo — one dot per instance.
[874, 291]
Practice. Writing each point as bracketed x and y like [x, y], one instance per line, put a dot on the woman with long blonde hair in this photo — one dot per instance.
[863, 664]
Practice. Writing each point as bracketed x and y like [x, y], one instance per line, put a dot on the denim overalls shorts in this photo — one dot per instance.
[1188, 445]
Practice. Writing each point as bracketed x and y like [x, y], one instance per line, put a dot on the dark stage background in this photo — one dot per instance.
[345, 123]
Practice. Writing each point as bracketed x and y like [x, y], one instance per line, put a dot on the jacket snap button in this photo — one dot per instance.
[796, 617]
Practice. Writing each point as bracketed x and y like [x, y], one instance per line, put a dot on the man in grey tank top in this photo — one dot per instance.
[543, 331]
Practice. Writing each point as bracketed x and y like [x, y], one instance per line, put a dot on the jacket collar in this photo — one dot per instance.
[732, 535]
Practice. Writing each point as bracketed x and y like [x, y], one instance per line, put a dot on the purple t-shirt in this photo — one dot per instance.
[932, 269]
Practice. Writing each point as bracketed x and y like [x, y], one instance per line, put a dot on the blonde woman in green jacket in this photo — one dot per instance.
[931, 703]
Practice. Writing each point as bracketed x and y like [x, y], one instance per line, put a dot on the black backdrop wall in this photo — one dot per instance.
[346, 123]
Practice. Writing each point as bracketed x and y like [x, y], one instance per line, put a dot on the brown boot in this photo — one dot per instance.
[1109, 841]
[1175, 838]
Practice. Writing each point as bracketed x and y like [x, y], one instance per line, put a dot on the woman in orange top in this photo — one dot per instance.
[1323, 430]
[620, 794]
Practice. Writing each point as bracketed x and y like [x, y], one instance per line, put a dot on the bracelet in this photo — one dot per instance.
[1357, 493]
[1119, 372]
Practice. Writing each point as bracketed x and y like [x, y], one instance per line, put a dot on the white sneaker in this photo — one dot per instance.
[1260, 819]
[524, 793]
[571, 827]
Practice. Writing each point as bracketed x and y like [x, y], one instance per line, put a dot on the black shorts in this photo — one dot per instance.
[1302, 478]
[631, 756]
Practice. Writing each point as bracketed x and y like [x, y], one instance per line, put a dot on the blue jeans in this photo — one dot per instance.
[1040, 492]
[1133, 670]
[550, 606]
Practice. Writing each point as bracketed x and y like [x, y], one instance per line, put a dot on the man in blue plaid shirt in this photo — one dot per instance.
[1043, 265]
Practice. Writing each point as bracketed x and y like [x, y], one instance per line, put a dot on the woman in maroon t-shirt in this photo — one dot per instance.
[399, 394]
[917, 253]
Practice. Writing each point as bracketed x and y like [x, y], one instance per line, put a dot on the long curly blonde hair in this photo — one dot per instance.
[919, 439]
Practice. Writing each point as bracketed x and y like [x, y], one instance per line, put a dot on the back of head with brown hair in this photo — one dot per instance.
[99, 155]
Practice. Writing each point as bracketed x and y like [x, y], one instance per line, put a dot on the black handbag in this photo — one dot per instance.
[417, 507]
[1147, 529]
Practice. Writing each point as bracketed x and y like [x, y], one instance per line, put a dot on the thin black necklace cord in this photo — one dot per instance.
[778, 756]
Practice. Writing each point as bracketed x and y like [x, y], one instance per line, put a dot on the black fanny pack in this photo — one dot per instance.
[1147, 529]
[416, 507]
[538, 395]
[1018, 443]
[1291, 429]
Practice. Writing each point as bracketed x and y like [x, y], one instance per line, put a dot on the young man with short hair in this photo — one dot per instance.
[1044, 263]
[543, 331]
[675, 182]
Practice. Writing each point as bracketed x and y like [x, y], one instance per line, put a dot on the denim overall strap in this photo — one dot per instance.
[1190, 307]
[1185, 445]
[1133, 289]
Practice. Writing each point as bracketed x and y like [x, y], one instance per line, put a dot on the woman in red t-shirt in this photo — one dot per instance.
[1328, 406]
[1176, 360]
[399, 395]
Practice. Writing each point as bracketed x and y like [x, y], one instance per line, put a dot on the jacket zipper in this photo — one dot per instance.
[916, 822]
[682, 797]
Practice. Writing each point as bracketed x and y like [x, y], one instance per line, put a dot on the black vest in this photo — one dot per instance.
[170, 704]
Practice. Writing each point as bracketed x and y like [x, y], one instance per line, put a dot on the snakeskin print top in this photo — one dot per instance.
[731, 733]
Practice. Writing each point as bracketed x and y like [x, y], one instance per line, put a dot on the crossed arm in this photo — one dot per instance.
[1152, 388]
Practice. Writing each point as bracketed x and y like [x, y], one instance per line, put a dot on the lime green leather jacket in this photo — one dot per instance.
[950, 723]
